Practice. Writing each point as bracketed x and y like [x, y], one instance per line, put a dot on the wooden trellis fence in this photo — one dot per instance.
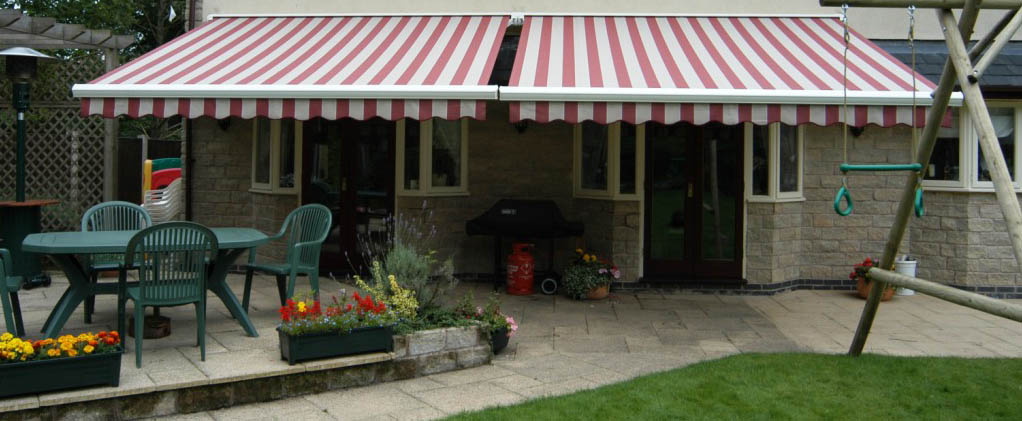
[64, 152]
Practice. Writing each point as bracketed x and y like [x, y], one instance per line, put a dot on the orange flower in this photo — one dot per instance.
[93, 342]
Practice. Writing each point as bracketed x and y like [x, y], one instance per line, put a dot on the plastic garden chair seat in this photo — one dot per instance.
[306, 228]
[110, 216]
[172, 263]
[9, 287]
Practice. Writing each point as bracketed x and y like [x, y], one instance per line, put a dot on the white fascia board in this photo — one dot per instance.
[465, 92]
[718, 96]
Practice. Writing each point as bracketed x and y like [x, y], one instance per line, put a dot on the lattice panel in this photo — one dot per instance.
[64, 151]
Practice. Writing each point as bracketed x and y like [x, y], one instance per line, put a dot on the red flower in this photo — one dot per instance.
[110, 340]
[101, 334]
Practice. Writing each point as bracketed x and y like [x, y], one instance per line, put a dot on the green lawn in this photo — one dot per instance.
[796, 386]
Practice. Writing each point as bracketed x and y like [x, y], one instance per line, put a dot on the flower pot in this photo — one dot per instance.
[599, 292]
[864, 287]
[498, 339]
[331, 344]
[29, 377]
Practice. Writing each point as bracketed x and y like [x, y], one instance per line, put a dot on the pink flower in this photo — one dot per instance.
[602, 271]
[616, 273]
[513, 326]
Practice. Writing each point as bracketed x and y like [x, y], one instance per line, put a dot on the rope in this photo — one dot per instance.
[843, 194]
[919, 211]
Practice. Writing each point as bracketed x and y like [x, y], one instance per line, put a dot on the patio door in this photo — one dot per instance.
[350, 169]
[693, 201]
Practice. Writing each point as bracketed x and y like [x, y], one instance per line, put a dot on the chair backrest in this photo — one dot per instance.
[172, 259]
[308, 223]
[116, 216]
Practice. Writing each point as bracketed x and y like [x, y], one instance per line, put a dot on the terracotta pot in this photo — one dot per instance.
[599, 293]
[863, 288]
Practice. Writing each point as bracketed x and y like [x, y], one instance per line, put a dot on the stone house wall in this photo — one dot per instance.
[960, 241]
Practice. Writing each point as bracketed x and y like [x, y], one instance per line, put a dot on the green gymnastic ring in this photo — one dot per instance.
[843, 193]
[919, 203]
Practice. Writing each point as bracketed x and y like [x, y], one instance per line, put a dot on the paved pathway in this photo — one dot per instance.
[564, 346]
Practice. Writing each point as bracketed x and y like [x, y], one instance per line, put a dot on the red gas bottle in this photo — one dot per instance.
[520, 267]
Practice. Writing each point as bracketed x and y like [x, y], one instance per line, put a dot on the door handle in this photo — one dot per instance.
[691, 190]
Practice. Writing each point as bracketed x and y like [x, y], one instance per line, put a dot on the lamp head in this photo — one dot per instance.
[22, 63]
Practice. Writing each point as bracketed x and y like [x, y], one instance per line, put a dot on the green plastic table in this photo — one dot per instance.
[63, 248]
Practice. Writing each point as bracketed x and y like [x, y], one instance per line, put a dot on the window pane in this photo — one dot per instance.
[627, 160]
[287, 154]
[944, 161]
[788, 158]
[262, 159]
[594, 156]
[446, 153]
[1004, 127]
[760, 160]
[412, 151]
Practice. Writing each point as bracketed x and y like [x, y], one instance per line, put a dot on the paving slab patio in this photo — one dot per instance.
[562, 346]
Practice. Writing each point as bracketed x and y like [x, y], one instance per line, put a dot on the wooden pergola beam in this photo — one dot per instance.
[19, 29]
[923, 4]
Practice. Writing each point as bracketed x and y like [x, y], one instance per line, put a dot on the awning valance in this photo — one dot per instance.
[316, 66]
[699, 69]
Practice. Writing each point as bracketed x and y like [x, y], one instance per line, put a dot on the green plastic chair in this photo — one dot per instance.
[171, 259]
[306, 229]
[9, 286]
[110, 216]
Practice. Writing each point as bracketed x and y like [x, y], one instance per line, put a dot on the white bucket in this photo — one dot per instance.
[907, 268]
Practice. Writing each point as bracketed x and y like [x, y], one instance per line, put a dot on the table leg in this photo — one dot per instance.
[77, 291]
[217, 282]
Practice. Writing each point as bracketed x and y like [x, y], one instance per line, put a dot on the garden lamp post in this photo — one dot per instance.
[21, 69]
[20, 217]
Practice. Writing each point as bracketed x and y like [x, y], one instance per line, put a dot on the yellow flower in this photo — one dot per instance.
[578, 250]
[301, 306]
[53, 352]
[72, 353]
[66, 346]
[391, 278]
[6, 337]
[88, 349]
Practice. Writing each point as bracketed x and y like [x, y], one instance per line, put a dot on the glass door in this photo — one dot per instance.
[693, 201]
[352, 173]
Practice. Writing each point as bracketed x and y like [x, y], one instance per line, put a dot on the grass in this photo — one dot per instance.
[796, 386]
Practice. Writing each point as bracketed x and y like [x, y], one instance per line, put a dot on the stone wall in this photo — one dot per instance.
[773, 242]
[831, 244]
[222, 171]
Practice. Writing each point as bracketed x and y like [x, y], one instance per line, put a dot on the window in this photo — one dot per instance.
[774, 160]
[276, 161]
[957, 162]
[608, 160]
[433, 156]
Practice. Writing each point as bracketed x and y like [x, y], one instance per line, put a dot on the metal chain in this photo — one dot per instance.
[844, 88]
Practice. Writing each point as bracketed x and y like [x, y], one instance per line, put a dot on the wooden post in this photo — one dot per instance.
[968, 299]
[982, 44]
[111, 129]
[999, 42]
[977, 107]
[941, 97]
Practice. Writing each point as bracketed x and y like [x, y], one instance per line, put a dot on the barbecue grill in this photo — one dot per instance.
[521, 220]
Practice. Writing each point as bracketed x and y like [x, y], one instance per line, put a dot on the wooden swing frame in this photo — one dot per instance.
[958, 69]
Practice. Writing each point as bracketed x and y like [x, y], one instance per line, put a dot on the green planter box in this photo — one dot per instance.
[322, 345]
[61, 373]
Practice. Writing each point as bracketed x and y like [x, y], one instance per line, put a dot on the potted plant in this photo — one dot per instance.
[67, 362]
[862, 282]
[589, 276]
[307, 331]
[500, 326]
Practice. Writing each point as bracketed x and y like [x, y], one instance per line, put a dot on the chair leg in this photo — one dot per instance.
[200, 317]
[90, 301]
[282, 289]
[314, 281]
[9, 324]
[291, 284]
[121, 316]
[248, 290]
[16, 306]
[139, 326]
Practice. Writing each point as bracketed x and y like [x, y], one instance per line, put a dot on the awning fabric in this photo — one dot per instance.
[699, 69]
[304, 67]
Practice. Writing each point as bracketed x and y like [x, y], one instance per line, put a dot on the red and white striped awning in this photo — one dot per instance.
[699, 69]
[316, 66]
